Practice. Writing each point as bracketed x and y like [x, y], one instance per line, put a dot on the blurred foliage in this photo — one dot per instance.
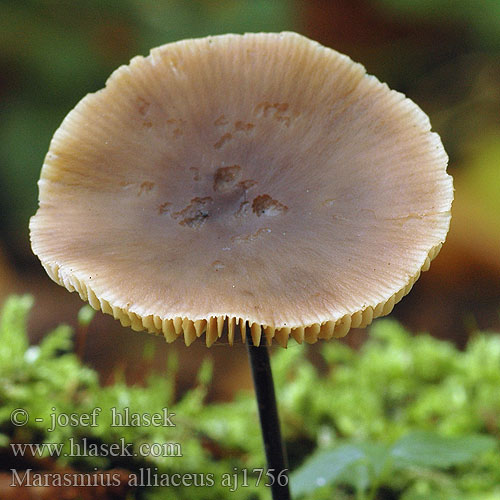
[366, 466]
[407, 415]
[481, 180]
[53, 52]
[480, 18]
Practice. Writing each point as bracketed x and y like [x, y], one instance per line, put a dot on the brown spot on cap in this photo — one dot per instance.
[265, 205]
[226, 178]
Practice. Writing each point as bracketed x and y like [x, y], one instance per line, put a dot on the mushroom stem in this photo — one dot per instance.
[277, 466]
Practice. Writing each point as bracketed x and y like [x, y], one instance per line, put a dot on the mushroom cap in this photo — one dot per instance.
[257, 179]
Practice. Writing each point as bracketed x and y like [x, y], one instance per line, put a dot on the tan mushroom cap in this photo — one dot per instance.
[258, 178]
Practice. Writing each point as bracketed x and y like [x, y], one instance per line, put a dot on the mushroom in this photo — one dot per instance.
[258, 182]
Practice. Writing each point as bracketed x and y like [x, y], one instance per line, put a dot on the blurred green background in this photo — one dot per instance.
[444, 54]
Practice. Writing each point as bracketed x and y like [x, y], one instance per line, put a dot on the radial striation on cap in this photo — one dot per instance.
[234, 180]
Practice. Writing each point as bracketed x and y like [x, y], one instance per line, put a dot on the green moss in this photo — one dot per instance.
[404, 403]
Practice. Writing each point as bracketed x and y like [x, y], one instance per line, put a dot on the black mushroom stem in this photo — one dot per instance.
[269, 420]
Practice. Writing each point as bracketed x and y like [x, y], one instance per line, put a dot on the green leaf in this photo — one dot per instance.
[57, 340]
[4, 440]
[324, 467]
[86, 315]
[432, 450]
[205, 372]
[371, 469]
[13, 336]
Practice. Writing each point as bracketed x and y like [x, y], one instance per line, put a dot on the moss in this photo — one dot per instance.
[398, 387]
